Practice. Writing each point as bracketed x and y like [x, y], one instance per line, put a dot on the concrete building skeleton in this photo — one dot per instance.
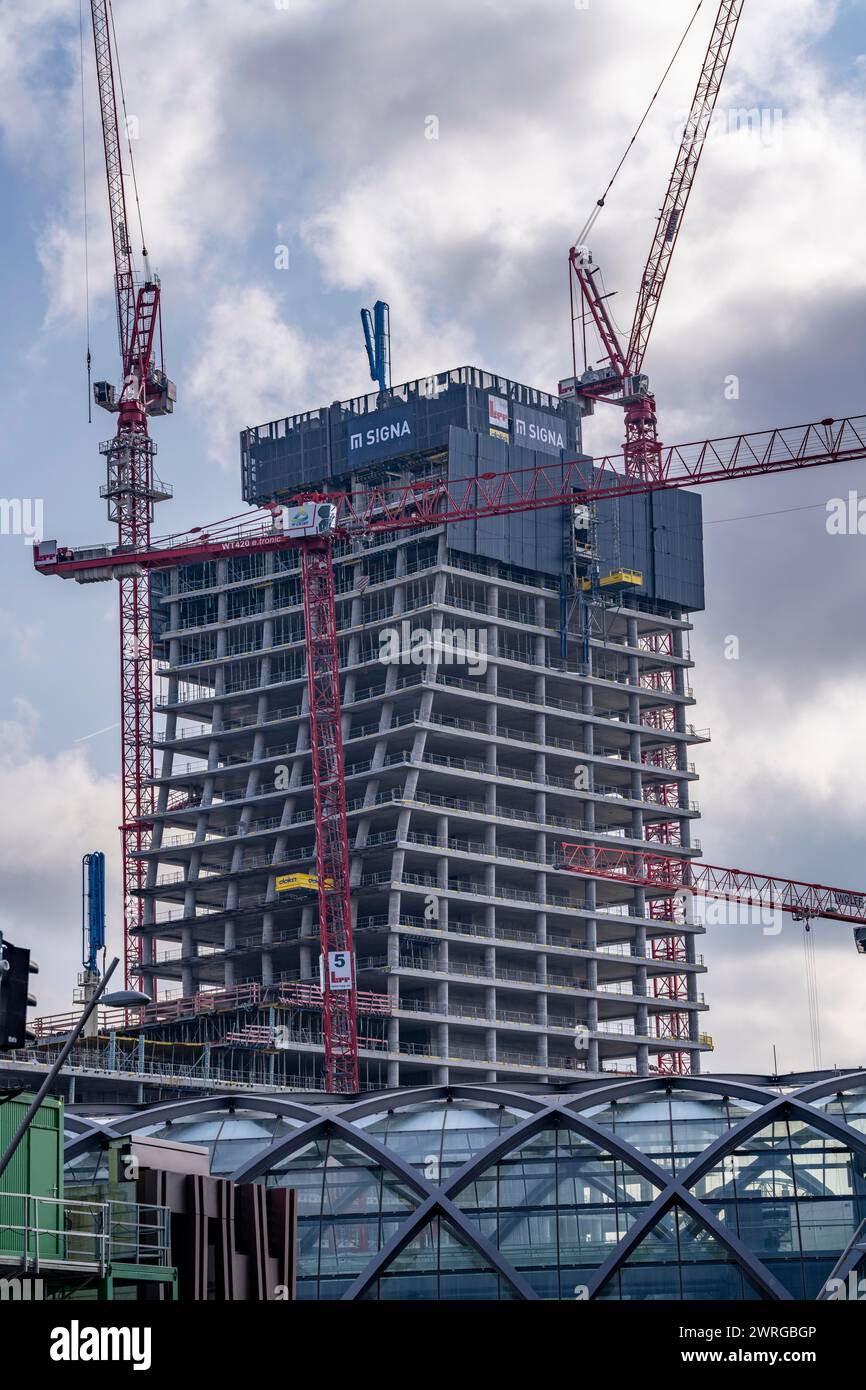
[476, 741]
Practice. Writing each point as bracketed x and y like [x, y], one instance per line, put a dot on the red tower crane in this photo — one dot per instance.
[624, 378]
[624, 381]
[389, 508]
[131, 488]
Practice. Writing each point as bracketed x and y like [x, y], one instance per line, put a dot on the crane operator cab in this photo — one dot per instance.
[860, 939]
[307, 519]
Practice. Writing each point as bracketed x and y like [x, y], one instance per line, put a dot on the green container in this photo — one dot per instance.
[36, 1170]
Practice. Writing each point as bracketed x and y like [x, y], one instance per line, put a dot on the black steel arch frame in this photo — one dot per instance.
[852, 1259]
[670, 1192]
[93, 1134]
[560, 1109]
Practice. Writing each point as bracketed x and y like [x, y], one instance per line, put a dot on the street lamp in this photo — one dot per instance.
[126, 999]
[61, 1058]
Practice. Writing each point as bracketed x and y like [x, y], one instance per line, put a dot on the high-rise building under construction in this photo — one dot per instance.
[510, 685]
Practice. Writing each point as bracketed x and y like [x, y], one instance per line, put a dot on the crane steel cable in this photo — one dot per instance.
[126, 128]
[590, 221]
[812, 993]
[84, 189]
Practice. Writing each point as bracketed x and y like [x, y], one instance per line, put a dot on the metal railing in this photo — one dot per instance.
[41, 1231]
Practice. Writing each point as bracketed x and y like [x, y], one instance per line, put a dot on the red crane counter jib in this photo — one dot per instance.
[672, 874]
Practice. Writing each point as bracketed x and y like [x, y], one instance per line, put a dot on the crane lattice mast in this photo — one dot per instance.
[625, 379]
[131, 490]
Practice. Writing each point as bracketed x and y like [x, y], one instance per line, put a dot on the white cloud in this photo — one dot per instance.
[56, 810]
[757, 997]
[25, 640]
[797, 745]
[253, 364]
[470, 229]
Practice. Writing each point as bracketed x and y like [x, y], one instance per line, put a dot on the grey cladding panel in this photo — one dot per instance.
[461, 464]
[531, 540]
[661, 535]
[678, 549]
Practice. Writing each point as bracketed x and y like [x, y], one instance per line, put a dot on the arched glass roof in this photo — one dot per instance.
[231, 1139]
[671, 1128]
[438, 1136]
[713, 1188]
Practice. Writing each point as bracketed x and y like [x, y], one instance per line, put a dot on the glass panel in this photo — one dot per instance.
[588, 1237]
[679, 1258]
[192, 1131]
[528, 1238]
[826, 1226]
[790, 1193]
[659, 1244]
[438, 1264]
[717, 1282]
[439, 1136]
[346, 1246]
[764, 1227]
[226, 1158]
[558, 1199]
[545, 1282]
[421, 1148]
[351, 1190]
[342, 1195]
[396, 1195]
[850, 1106]
[671, 1129]
[87, 1168]
[312, 1155]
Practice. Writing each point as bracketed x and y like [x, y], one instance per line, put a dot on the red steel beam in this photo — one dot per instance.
[672, 873]
[555, 484]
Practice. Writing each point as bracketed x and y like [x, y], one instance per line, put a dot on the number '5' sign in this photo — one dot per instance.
[339, 970]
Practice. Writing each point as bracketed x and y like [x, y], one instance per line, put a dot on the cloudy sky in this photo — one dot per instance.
[306, 124]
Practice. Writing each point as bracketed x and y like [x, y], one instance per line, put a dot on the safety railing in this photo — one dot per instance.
[37, 1231]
